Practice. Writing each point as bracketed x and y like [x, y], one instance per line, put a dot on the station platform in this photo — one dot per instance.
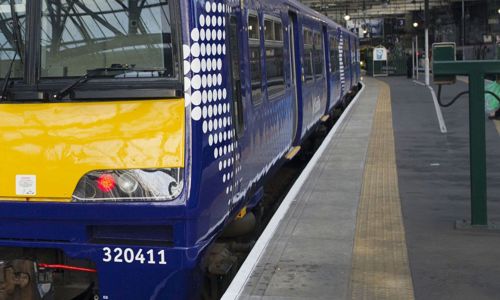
[373, 214]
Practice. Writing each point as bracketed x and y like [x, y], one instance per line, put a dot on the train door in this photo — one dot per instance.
[294, 82]
[357, 61]
[353, 61]
[327, 68]
[333, 70]
[347, 64]
[347, 68]
[236, 94]
[319, 86]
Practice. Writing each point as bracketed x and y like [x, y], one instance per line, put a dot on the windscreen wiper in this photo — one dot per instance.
[114, 70]
[16, 35]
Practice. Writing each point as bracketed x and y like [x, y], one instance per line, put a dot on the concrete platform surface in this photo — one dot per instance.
[433, 170]
[375, 218]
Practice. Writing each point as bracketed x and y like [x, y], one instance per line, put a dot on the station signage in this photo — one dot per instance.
[379, 54]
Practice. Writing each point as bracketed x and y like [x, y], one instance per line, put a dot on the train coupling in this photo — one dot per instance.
[22, 279]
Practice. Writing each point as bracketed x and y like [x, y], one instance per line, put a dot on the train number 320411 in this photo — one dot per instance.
[129, 256]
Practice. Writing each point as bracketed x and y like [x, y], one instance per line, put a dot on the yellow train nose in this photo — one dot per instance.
[46, 148]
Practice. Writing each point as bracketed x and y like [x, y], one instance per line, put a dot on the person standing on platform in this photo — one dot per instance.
[409, 66]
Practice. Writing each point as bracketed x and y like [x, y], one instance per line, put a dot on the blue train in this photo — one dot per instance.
[134, 133]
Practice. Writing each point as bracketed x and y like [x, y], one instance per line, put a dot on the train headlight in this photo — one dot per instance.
[127, 183]
[130, 185]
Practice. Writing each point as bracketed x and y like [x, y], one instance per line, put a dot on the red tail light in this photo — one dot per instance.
[106, 183]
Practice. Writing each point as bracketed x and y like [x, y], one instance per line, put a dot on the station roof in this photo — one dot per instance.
[372, 8]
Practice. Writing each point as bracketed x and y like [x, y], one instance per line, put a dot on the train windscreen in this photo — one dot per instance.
[82, 35]
[12, 37]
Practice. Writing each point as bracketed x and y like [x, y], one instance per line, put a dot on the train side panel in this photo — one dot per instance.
[268, 110]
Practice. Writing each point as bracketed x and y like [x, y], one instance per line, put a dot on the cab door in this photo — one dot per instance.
[237, 107]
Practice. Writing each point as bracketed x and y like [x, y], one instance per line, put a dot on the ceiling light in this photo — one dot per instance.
[346, 16]
[415, 24]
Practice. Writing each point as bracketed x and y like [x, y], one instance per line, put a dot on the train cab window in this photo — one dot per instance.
[275, 74]
[234, 52]
[13, 49]
[308, 56]
[319, 55]
[254, 58]
[97, 34]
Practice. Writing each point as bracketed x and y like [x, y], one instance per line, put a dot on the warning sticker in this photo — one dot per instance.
[26, 185]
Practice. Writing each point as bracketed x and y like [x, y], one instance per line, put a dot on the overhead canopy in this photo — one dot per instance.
[371, 8]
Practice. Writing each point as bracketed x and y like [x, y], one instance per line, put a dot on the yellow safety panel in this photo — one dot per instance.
[57, 143]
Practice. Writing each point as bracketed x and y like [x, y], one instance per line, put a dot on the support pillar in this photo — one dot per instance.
[477, 146]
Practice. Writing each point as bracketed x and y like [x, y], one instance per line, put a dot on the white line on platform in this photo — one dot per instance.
[418, 82]
[236, 287]
[442, 125]
[439, 114]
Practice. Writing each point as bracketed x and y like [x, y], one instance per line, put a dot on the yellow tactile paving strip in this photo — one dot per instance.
[380, 267]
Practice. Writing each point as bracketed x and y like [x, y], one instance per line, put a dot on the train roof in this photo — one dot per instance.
[312, 13]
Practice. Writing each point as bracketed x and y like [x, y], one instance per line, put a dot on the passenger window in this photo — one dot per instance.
[308, 56]
[278, 31]
[268, 30]
[319, 55]
[275, 74]
[253, 27]
[234, 52]
[254, 53]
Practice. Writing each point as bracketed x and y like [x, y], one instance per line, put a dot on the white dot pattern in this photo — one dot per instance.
[205, 93]
[275, 124]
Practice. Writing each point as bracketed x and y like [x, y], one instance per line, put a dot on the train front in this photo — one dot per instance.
[93, 143]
